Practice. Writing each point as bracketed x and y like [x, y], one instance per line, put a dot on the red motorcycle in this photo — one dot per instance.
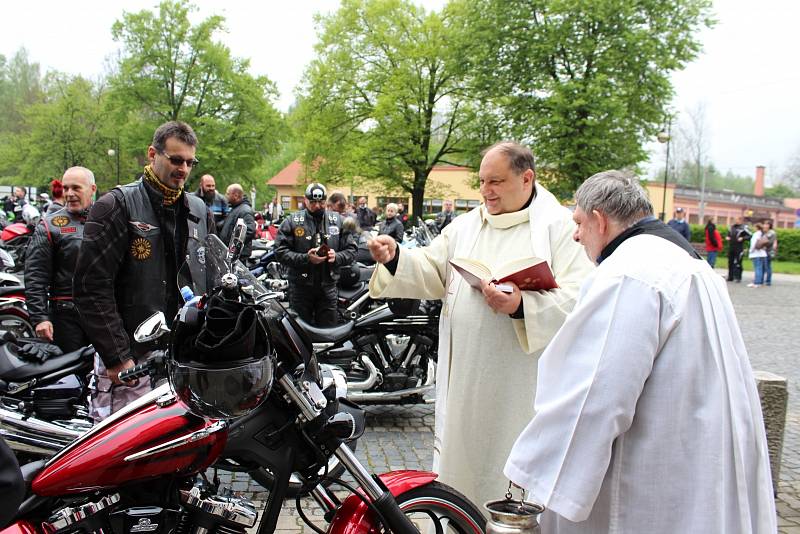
[275, 416]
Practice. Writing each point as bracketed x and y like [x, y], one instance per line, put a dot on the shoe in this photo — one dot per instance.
[753, 285]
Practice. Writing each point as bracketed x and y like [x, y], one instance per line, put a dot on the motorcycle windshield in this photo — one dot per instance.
[205, 265]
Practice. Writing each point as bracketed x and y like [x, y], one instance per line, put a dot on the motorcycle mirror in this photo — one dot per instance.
[237, 242]
[151, 328]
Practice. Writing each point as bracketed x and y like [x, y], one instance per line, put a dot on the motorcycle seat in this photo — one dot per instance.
[9, 290]
[349, 293]
[326, 335]
[14, 369]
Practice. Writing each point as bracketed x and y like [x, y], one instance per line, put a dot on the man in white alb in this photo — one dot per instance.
[489, 341]
[647, 415]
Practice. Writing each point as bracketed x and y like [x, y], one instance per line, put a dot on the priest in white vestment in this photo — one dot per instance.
[489, 341]
[647, 414]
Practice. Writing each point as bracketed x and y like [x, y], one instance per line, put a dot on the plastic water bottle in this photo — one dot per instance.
[189, 297]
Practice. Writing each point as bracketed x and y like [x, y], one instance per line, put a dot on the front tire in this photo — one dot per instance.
[439, 502]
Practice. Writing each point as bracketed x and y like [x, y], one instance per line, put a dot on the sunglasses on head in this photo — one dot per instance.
[178, 161]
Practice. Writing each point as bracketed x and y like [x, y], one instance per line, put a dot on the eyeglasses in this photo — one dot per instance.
[178, 161]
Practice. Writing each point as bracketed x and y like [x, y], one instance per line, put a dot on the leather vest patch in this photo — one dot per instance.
[61, 220]
[141, 249]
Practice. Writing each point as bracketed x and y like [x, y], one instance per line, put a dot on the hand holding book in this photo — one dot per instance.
[529, 274]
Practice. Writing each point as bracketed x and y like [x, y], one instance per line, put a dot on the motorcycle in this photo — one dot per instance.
[388, 354]
[137, 471]
[14, 238]
[43, 399]
[14, 317]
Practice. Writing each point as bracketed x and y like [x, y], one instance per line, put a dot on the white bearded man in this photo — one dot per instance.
[489, 341]
[647, 414]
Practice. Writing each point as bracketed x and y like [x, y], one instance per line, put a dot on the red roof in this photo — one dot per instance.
[288, 175]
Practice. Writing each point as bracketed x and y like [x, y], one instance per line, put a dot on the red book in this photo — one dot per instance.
[530, 274]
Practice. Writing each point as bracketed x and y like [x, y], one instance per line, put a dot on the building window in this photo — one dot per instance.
[463, 205]
[431, 205]
[286, 202]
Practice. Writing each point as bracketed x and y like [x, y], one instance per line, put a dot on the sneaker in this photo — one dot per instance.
[753, 285]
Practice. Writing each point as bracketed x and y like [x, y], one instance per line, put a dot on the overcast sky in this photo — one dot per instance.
[747, 76]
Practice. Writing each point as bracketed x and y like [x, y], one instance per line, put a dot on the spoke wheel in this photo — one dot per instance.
[439, 508]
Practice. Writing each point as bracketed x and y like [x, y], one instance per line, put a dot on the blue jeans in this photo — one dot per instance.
[768, 271]
[758, 265]
[711, 258]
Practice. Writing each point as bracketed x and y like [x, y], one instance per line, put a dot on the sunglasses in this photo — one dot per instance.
[178, 161]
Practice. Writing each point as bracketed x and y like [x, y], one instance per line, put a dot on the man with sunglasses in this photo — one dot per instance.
[135, 241]
[313, 244]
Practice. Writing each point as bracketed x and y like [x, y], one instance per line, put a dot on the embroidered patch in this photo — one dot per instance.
[299, 231]
[141, 249]
[201, 255]
[61, 220]
[142, 226]
[334, 230]
[69, 230]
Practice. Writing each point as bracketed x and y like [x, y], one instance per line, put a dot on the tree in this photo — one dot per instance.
[780, 191]
[585, 83]
[172, 70]
[384, 98]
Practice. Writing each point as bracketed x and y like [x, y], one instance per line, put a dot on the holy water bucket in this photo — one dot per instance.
[513, 517]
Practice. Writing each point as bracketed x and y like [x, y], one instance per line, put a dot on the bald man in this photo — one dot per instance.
[216, 203]
[239, 209]
[50, 264]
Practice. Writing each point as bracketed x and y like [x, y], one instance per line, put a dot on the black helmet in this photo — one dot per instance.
[316, 191]
[221, 363]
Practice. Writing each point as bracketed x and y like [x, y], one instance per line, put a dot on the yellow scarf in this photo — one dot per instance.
[170, 195]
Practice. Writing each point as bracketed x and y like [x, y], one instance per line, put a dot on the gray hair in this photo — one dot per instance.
[177, 129]
[520, 157]
[86, 172]
[616, 194]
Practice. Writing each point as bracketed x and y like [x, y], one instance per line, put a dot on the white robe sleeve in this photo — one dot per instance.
[545, 311]
[590, 378]
[421, 273]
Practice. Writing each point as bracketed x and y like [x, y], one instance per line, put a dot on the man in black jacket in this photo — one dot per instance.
[738, 234]
[239, 209]
[446, 216]
[365, 216]
[392, 225]
[136, 239]
[313, 245]
[50, 264]
[215, 202]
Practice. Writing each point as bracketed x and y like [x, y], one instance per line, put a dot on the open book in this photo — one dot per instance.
[530, 274]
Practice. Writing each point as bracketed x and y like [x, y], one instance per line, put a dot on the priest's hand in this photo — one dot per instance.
[383, 248]
[500, 301]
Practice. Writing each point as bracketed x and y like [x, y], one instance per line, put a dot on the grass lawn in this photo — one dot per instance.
[785, 267]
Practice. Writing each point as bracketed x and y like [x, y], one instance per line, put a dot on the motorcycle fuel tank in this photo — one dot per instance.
[152, 437]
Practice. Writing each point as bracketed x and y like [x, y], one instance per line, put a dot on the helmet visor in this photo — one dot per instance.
[222, 392]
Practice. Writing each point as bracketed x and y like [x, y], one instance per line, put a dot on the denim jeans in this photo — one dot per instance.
[758, 265]
[768, 271]
[712, 258]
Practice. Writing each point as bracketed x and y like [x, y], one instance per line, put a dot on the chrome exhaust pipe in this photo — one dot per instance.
[32, 435]
[368, 383]
[378, 397]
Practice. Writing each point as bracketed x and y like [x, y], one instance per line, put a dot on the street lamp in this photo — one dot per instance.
[664, 137]
[115, 152]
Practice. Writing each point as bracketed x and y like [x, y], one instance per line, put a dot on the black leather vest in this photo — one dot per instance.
[143, 286]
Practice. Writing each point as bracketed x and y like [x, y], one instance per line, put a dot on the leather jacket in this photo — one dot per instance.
[301, 232]
[242, 210]
[50, 261]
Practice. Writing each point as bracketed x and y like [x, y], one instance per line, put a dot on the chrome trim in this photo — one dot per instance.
[203, 433]
[235, 509]
[367, 383]
[69, 516]
[393, 396]
[166, 400]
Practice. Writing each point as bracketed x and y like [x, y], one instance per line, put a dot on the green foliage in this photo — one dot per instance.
[385, 97]
[173, 70]
[780, 191]
[585, 83]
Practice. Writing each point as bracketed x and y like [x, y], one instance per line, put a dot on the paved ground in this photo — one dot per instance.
[400, 437]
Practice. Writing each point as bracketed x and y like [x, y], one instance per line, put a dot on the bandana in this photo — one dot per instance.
[170, 195]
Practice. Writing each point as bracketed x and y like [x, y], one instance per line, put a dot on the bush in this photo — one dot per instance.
[788, 241]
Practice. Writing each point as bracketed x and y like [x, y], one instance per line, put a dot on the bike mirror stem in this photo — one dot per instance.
[237, 242]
